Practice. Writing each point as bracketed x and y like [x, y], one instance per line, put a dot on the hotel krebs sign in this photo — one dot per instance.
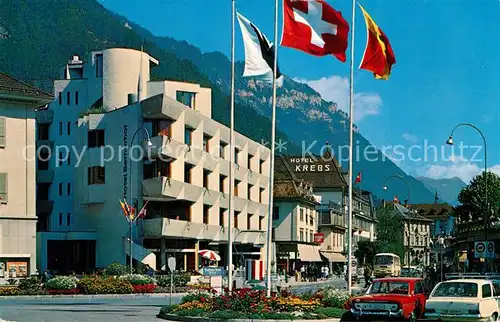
[310, 165]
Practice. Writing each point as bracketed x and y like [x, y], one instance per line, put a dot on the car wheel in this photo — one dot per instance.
[412, 317]
[493, 318]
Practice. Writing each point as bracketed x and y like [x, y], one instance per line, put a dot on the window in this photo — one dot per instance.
[260, 222]
[60, 128]
[162, 127]
[188, 136]
[206, 143]
[76, 98]
[187, 173]
[311, 236]
[236, 215]
[236, 184]
[222, 149]
[60, 98]
[95, 138]
[98, 66]
[60, 219]
[206, 214]
[68, 157]
[449, 289]
[276, 213]
[206, 175]
[68, 219]
[261, 195]
[60, 159]
[301, 234]
[43, 131]
[68, 98]
[261, 166]
[311, 218]
[96, 175]
[68, 188]
[496, 288]
[249, 165]
[419, 289]
[249, 192]
[249, 221]
[236, 153]
[60, 189]
[3, 188]
[222, 182]
[222, 212]
[186, 98]
[3, 133]
[486, 290]
[301, 214]
[69, 128]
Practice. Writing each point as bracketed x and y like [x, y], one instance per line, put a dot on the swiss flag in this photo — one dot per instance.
[314, 27]
[358, 178]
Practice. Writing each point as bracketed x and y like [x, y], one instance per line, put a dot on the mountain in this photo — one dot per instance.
[447, 189]
[58, 28]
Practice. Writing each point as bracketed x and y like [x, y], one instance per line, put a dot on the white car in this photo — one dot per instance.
[464, 300]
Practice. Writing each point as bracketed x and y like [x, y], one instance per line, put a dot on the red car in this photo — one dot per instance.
[387, 299]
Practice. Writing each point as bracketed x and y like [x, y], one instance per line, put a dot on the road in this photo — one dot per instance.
[84, 308]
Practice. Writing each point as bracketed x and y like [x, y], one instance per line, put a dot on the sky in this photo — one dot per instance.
[447, 71]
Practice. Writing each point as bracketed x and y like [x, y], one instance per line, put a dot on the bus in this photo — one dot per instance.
[386, 264]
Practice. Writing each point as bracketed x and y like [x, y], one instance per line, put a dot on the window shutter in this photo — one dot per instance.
[2, 132]
[3, 188]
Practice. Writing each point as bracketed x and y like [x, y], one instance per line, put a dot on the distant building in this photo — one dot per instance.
[103, 102]
[416, 236]
[18, 218]
[295, 219]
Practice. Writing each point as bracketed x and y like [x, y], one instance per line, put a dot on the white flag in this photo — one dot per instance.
[259, 53]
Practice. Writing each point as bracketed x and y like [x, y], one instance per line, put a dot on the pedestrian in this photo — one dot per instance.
[327, 272]
[367, 274]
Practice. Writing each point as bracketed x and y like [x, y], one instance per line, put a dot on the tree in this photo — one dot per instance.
[473, 203]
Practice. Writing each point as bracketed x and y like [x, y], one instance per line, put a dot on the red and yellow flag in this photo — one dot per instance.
[378, 56]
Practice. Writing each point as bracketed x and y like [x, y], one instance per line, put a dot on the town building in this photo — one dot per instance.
[330, 189]
[295, 220]
[18, 218]
[416, 235]
[146, 141]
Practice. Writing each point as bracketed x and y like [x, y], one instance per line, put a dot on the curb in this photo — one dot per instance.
[172, 317]
[88, 296]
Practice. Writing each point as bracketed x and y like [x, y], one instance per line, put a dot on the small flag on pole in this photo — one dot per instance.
[378, 57]
[396, 200]
[259, 53]
[143, 211]
[124, 207]
[358, 178]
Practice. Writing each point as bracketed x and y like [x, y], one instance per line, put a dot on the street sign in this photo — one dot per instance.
[319, 238]
[213, 271]
[171, 264]
[484, 249]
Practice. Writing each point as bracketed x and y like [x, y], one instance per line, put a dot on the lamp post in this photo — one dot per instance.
[487, 210]
[149, 144]
[397, 176]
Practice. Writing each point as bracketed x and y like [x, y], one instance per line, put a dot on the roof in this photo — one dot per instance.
[397, 279]
[433, 211]
[287, 186]
[468, 280]
[406, 214]
[11, 86]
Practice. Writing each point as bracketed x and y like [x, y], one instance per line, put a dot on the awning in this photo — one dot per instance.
[250, 237]
[141, 254]
[334, 257]
[308, 253]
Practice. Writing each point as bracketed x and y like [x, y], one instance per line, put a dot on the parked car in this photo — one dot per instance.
[387, 299]
[464, 300]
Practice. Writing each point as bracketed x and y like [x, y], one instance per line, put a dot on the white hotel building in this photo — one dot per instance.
[184, 175]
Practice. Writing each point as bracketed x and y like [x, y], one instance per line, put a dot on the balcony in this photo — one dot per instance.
[44, 116]
[169, 189]
[45, 176]
[44, 206]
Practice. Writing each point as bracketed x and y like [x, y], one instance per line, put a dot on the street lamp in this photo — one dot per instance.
[400, 177]
[149, 144]
[487, 214]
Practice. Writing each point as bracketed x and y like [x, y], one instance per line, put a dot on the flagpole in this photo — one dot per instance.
[271, 161]
[351, 113]
[231, 158]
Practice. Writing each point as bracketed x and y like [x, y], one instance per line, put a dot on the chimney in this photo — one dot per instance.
[327, 154]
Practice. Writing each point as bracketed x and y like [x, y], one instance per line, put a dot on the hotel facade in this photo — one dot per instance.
[108, 107]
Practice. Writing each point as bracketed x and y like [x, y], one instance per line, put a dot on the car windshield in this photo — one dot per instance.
[383, 260]
[389, 288]
[456, 289]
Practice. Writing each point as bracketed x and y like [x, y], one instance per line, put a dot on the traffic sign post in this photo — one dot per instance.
[484, 249]
[171, 267]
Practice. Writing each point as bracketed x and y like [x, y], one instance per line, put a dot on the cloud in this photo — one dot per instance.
[457, 167]
[410, 137]
[336, 89]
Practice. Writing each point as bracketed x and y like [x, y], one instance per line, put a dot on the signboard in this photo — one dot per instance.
[213, 271]
[484, 249]
[171, 264]
[309, 164]
[319, 238]
[17, 269]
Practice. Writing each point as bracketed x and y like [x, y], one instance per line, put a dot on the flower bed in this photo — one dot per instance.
[100, 285]
[140, 283]
[146, 288]
[62, 285]
[254, 304]
[64, 292]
